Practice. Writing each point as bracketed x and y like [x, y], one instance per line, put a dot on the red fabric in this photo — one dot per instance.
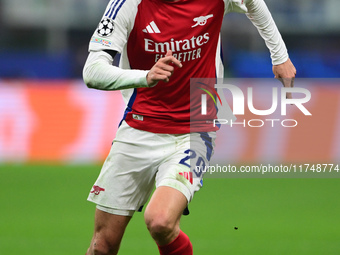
[180, 246]
[164, 25]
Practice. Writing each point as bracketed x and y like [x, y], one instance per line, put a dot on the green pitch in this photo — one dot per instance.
[44, 211]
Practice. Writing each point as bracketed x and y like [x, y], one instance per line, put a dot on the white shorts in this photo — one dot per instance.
[139, 159]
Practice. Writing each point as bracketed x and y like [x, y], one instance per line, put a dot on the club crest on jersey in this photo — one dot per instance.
[96, 190]
[105, 27]
[202, 20]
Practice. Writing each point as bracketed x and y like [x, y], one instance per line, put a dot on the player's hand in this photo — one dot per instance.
[285, 72]
[163, 69]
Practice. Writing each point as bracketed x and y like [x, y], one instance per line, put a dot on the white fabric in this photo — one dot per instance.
[260, 16]
[116, 211]
[235, 6]
[123, 23]
[140, 159]
[99, 73]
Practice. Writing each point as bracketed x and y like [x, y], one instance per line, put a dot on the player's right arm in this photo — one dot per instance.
[99, 73]
[109, 38]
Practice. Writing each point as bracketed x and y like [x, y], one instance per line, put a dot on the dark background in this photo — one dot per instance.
[49, 39]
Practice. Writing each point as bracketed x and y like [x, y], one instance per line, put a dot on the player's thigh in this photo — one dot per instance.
[127, 176]
[167, 204]
[183, 169]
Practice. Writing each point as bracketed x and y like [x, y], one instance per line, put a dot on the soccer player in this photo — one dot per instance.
[163, 43]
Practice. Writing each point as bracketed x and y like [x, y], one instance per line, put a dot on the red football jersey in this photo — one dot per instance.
[143, 31]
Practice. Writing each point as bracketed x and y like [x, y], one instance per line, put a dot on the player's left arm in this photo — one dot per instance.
[261, 17]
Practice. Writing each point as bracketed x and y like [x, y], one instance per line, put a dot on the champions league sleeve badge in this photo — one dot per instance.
[105, 27]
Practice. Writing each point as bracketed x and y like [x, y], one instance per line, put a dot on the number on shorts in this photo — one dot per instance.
[191, 155]
[200, 163]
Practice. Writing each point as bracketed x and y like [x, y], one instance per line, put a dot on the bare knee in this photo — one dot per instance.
[161, 227]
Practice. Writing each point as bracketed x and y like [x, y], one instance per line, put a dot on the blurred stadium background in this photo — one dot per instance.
[55, 133]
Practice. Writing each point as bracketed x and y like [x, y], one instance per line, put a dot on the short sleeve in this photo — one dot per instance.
[113, 29]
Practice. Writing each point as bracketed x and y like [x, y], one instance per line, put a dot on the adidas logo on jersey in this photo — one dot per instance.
[151, 28]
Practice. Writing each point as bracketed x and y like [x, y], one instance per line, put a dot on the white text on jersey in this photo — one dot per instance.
[176, 46]
[183, 50]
